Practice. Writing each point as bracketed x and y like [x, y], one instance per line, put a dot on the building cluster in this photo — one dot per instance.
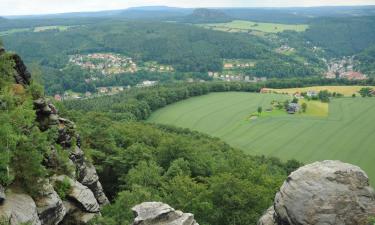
[158, 68]
[284, 49]
[106, 63]
[240, 77]
[343, 68]
[229, 66]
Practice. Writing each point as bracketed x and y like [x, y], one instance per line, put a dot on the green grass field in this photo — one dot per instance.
[347, 133]
[247, 26]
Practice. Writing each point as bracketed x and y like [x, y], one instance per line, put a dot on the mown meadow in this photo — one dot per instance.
[344, 134]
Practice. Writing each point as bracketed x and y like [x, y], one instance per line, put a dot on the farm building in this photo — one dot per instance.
[293, 108]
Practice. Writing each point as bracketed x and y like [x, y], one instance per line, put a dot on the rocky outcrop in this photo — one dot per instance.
[18, 209]
[87, 194]
[328, 192]
[80, 195]
[87, 176]
[157, 213]
[50, 207]
[2, 194]
[22, 75]
[75, 215]
[47, 116]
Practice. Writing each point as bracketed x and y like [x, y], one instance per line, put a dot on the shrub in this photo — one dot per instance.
[63, 188]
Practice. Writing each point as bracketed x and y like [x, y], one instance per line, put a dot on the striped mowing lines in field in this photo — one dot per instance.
[347, 133]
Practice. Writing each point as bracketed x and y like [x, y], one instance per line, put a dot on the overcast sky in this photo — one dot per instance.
[28, 7]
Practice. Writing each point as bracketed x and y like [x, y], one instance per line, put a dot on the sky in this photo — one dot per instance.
[33, 7]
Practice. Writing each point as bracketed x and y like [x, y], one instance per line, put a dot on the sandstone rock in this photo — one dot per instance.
[328, 192]
[2, 195]
[157, 213]
[88, 177]
[80, 194]
[268, 218]
[50, 207]
[75, 215]
[18, 209]
[22, 75]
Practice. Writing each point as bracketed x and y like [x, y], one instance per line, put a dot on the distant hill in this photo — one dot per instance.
[207, 16]
[298, 14]
[155, 12]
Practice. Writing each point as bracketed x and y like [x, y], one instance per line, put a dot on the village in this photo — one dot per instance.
[343, 69]
[111, 64]
[106, 63]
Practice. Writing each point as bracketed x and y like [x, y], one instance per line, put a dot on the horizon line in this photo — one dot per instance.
[180, 7]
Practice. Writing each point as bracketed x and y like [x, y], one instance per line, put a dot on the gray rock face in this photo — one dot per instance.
[50, 207]
[81, 194]
[2, 194]
[157, 213]
[327, 193]
[22, 75]
[18, 209]
[268, 218]
[75, 215]
[88, 176]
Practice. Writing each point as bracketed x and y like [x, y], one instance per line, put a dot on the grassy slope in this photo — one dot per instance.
[242, 25]
[347, 134]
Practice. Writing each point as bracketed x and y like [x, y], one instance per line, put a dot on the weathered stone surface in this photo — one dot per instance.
[327, 193]
[157, 213]
[88, 177]
[22, 75]
[268, 218]
[50, 207]
[19, 208]
[80, 194]
[75, 215]
[2, 195]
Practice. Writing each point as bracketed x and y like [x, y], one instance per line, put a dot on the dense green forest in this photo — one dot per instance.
[140, 162]
[136, 162]
[189, 49]
[367, 61]
[342, 36]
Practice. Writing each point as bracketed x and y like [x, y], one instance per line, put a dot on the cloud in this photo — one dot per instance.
[27, 7]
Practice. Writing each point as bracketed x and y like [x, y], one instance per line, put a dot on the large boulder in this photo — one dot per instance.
[328, 192]
[18, 209]
[157, 213]
[2, 194]
[80, 194]
[50, 207]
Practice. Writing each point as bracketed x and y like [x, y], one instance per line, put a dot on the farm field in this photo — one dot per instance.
[346, 134]
[345, 90]
[247, 26]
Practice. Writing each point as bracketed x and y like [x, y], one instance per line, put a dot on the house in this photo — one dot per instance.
[351, 75]
[228, 66]
[298, 95]
[311, 93]
[103, 90]
[293, 108]
[58, 98]
[265, 90]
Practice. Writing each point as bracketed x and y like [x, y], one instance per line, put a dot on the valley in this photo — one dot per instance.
[232, 113]
[341, 135]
